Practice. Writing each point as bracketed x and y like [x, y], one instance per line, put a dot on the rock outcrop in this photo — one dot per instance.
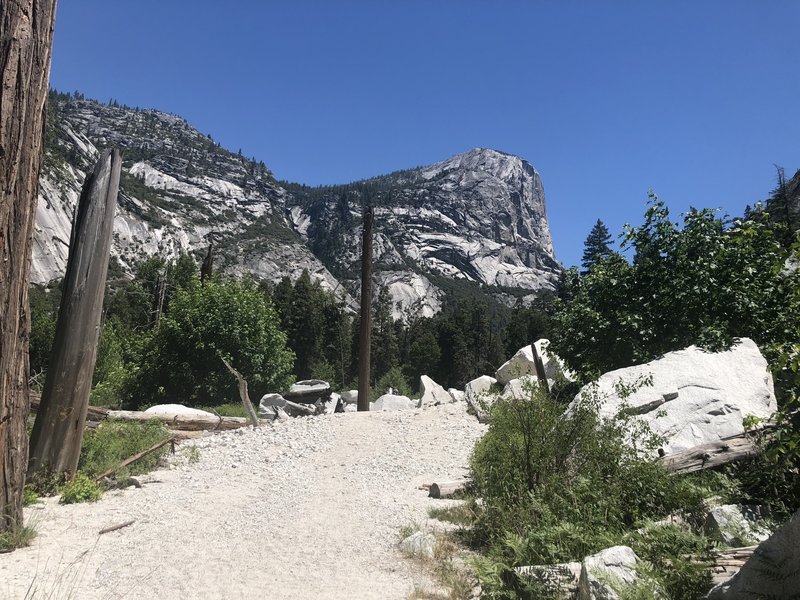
[696, 397]
[431, 393]
[479, 395]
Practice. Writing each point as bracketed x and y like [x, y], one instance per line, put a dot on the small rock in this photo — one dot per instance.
[419, 544]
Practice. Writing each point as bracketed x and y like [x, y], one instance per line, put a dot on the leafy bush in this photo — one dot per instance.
[112, 442]
[706, 283]
[29, 495]
[558, 486]
[80, 489]
[181, 362]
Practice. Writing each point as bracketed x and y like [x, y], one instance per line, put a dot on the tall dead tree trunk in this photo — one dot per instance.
[58, 430]
[364, 337]
[26, 38]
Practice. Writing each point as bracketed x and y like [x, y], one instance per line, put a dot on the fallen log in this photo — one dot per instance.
[446, 489]
[182, 422]
[714, 454]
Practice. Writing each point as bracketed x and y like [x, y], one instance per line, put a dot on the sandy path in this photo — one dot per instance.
[310, 508]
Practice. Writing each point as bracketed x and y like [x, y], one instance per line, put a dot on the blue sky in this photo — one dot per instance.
[693, 99]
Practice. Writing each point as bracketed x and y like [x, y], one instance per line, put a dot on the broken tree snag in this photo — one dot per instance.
[445, 489]
[541, 375]
[708, 456]
[364, 336]
[26, 36]
[243, 394]
[58, 430]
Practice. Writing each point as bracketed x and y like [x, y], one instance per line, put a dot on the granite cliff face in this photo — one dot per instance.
[478, 217]
[179, 191]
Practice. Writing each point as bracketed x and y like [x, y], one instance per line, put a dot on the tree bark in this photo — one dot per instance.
[26, 37]
[364, 337]
[58, 430]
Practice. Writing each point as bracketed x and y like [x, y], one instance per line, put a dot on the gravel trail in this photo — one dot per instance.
[308, 508]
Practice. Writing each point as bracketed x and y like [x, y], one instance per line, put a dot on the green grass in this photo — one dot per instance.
[463, 514]
[17, 538]
[112, 442]
[232, 409]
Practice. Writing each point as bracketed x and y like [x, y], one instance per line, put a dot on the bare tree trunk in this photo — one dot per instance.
[243, 394]
[58, 430]
[364, 337]
[26, 37]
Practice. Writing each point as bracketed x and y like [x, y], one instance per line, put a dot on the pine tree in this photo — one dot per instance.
[597, 245]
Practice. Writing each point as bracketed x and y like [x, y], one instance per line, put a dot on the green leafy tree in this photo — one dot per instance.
[706, 283]
[597, 246]
[181, 361]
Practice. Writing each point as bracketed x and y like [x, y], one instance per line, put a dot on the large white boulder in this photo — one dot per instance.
[350, 396]
[270, 406]
[522, 364]
[520, 388]
[392, 402]
[458, 395]
[174, 410]
[478, 394]
[431, 393]
[601, 573]
[696, 397]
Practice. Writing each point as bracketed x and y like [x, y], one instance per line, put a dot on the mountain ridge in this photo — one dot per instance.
[478, 216]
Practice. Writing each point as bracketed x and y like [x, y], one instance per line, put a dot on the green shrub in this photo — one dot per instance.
[679, 559]
[80, 489]
[112, 442]
[181, 361]
[558, 486]
[29, 495]
[393, 378]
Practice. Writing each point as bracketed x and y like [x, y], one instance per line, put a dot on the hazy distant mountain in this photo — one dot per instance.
[479, 216]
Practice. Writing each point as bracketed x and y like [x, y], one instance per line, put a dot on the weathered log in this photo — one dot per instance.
[445, 489]
[135, 457]
[708, 456]
[26, 36]
[248, 406]
[727, 562]
[58, 429]
[183, 422]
